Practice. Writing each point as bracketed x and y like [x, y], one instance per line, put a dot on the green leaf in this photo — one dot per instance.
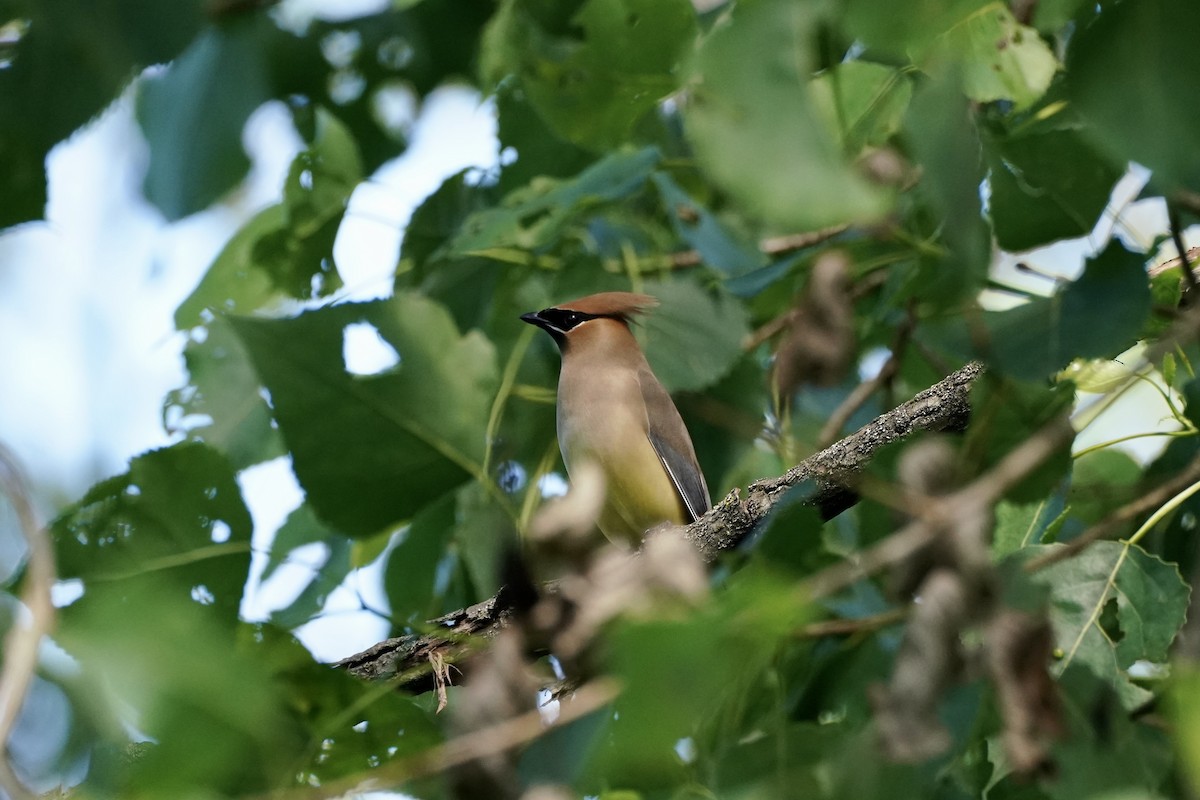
[1102, 481]
[175, 520]
[221, 404]
[532, 217]
[703, 232]
[1046, 186]
[300, 528]
[593, 79]
[538, 150]
[998, 58]
[1019, 525]
[1040, 337]
[756, 130]
[411, 575]
[63, 64]
[193, 113]
[1183, 707]
[1150, 600]
[940, 128]
[693, 338]
[1126, 71]
[864, 103]
[373, 449]
[1004, 413]
[906, 27]
[218, 723]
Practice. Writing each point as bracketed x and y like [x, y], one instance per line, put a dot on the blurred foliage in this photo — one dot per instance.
[651, 147]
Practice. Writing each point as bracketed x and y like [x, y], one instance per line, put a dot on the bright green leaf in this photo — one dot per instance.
[864, 103]
[998, 58]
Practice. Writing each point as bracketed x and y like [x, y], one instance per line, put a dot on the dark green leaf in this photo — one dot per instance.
[193, 114]
[1040, 337]
[372, 449]
[1102, 481]
[1127, 71]
[531, 217]
[1003, 414]
[62, 64]
[411, 575]
[1046, 186]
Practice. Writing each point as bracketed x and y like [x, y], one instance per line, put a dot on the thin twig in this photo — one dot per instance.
[24, 639]
[773, 246]
[849, 627]
[1189, 278]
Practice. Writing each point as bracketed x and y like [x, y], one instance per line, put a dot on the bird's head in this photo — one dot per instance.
[560, 320]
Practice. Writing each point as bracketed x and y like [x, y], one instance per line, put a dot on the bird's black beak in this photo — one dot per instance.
[534, 318]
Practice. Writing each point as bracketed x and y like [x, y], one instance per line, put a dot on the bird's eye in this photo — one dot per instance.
[573, 319]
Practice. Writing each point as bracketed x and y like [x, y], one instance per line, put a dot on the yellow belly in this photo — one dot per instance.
[639, 494]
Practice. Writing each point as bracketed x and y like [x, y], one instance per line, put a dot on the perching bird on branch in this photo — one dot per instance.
[613, 412]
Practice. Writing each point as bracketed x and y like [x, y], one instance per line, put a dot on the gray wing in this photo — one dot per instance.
[670, 439]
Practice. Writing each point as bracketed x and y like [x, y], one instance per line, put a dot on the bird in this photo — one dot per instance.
[613, 412]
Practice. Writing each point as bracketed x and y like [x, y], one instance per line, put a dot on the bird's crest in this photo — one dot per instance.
[612, 304]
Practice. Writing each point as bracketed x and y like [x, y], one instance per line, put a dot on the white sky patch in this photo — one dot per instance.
[365, 352]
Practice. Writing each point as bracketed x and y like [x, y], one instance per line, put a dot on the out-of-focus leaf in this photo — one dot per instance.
[1050, 15]
[693, 338]
[1038, 338]
[538, 150]
[300, 528]
[703, 232]
[1105, 753]
[1126, 71]
[372, 449]
[864, 103]
[756, 130]
[435, 222]
[221, 404]
[941, 131]
[1019, 525]
[1046, 186]
[62, 64]
[1101, 481]
[594, 78]
[1004, 413]
[531, 217]
[483, 534]
[908, 27]
[411, 575]
[997, 58]
[216, 717]
[286, 250]
[1183, 707]
[175, 521]
[193, 114]
[1150, 601]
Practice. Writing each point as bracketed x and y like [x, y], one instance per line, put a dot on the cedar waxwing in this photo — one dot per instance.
[614, 412]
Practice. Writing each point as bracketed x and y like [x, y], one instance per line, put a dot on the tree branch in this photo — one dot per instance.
[834, 470]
